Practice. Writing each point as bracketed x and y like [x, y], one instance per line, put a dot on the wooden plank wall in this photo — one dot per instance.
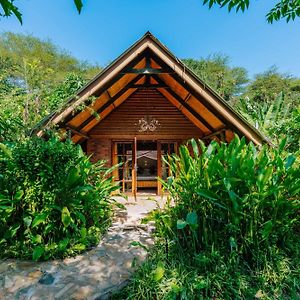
[123, 121]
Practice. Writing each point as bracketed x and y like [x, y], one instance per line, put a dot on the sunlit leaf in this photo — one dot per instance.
[38, 252]
[41, 218]
[79, 5]
[66, 217]
[159, 272]
[181, 224]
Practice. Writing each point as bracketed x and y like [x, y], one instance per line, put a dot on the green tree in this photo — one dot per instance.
[9, 8]
[57, 97]
[216, 72]
[35, 77]
[268, 85]
[285, 9]
[19, 49]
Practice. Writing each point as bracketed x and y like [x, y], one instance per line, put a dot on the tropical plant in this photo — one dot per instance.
[232, 228]
[53, 201]
[278, 119]
[237, 191]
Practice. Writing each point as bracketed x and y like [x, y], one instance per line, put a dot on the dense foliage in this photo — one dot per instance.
[232, 230]
[284, 9]
[9, 8]
[36, 77]
[268, 85]
[53, 201]
[216, 72]
[277, 119]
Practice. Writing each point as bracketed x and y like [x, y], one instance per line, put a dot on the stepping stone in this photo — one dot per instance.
[46, 279]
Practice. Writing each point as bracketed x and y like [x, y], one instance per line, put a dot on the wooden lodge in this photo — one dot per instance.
[141, 108]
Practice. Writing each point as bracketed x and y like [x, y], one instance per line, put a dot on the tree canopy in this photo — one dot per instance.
[9, 8]
[36, 77]
[285, 9]
[216, 72]
[266, 86]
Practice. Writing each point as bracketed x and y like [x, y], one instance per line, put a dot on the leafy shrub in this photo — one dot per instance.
[279, 119]
[234, 196]
[53, 201]
[232, 228]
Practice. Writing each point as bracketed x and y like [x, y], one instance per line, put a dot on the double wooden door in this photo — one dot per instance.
[141, 163]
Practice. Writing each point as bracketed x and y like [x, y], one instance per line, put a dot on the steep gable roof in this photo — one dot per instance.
[149, 64]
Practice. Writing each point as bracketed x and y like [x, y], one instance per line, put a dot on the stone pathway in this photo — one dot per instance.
[93, 275]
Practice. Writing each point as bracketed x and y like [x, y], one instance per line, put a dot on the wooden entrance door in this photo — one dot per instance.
[124, 154]
[146, 162]
[164, 148]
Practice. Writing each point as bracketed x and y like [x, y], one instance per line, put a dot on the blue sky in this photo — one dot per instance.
[106, 28]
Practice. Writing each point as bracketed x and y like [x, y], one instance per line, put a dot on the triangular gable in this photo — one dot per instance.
[149, 64]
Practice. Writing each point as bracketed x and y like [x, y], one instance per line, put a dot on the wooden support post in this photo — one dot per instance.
[159, 171]
[214, 134]
[134, 169]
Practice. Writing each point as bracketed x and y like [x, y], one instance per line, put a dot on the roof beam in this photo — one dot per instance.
[148, 71]
[106, 86]
[154, 86]
[185, 105]
[214, 134]
[75, 130]
[194, 93]
[111, 100]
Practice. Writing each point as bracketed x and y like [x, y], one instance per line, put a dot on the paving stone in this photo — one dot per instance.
[35, 274]
[47, 279]
[3, 267]
[93, 275]
[8, 282]
[82, 292]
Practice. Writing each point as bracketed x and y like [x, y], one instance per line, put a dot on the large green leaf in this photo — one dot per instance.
[38, 252]
[79, 5]
[66, 217]
[181, 224]
[41, 218]
[290, 161]
[159, 272]
[192, 218]
[14, 229]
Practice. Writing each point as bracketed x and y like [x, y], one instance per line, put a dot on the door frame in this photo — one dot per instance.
[134, 142]
[159, 160]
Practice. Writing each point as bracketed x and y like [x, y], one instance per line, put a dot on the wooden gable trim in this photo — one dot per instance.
[110, 101]
[211, 97]
[176, 69]
[102, 82]
[184, 104]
